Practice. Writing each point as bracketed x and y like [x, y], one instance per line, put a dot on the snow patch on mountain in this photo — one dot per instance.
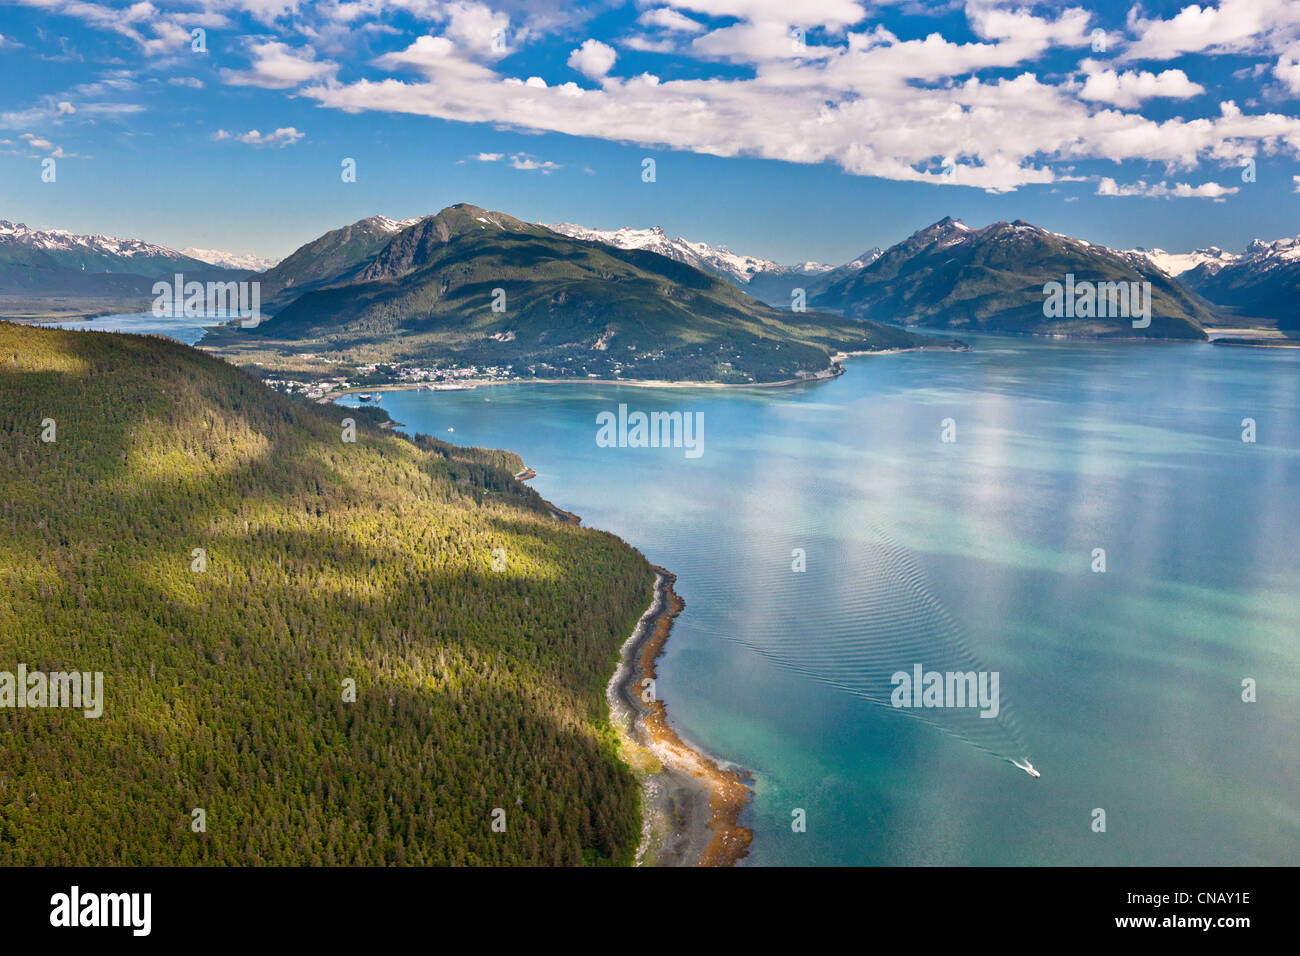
[60, 240]
[719, 261]
[393, 225]
[738, 269]
[230, 260]
[1262, 253]
[1176, 263]
[864, 260]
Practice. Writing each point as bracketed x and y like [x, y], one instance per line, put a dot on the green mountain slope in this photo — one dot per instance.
[325, 260]
[953, 277]
[562, 307]
[326, 561]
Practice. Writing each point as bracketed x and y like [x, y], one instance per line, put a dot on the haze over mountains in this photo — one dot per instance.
[230, 260]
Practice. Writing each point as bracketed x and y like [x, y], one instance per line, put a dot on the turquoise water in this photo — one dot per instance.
[1123, 688]
[186, 330]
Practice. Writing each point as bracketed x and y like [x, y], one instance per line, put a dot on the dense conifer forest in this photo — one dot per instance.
[327, 561]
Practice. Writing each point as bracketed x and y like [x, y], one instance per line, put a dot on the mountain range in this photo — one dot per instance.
[1177, 263]
[1260, 283]
[54, 262]
[1263, 283]
[764, 279]
[953, 277]
[473, 287]
[579, 300]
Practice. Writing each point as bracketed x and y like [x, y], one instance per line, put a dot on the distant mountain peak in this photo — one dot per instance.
[1177, 263]
[61, 240]
[390, 225]
[946, 231]
[950, 275]
[61, 262]
[945, 225]
[230, 260]
[736, 268]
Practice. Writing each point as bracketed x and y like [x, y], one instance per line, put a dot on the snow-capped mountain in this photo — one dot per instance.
[59, 262]
[86, 249]
[826, 277]
[60, 241]
[230, 260]
[862, 261]
[391, 225]
[1176, 263]
[1260, 252]
[1261, 283]
[762, 278]
[738, 269]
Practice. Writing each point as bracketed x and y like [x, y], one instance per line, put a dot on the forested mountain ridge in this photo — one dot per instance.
[472, 287]
[953, 277]
[327, 259]
[326, 561]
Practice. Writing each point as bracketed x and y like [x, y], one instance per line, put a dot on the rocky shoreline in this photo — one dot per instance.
[691, 804]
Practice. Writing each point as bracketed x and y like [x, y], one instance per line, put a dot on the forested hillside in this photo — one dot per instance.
[326, 561]
[471, 287]
[994, 279]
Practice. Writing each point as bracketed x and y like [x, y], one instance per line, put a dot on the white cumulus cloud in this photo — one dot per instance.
[1130, 88]
[593, 59]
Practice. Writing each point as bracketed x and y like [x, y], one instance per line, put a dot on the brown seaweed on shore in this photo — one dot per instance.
[730, 794]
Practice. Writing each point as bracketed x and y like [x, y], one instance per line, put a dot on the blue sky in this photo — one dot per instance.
[791, 130]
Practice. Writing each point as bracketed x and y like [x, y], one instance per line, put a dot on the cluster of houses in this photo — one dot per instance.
[435, 378]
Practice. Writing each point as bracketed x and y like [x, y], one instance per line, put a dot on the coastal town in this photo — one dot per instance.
[326, 387]
[392, 376]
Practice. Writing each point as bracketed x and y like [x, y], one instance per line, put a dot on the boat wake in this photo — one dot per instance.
[889, 624]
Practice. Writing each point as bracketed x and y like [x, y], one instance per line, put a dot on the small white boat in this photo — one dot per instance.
[1027, 767]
